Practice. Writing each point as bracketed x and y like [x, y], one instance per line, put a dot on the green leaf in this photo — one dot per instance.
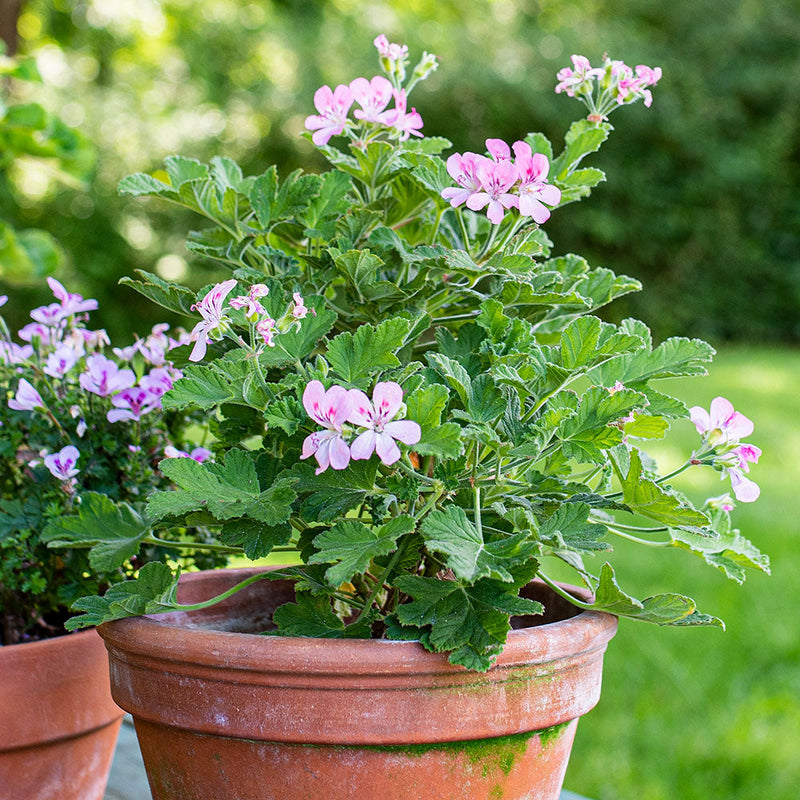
[425, 406]
[591, 430]
[568, 528]
[587, 341]
[312, 615]
[644, 496]
[152, 592]
[199, 386]
[254, 537]
[676, 357]
[471, 622]
[333, 492]
[583, 137]
[299, 343]
[228, 490]
[728, 551]
[662, 609]
[454, 373]
[168, 295]
[371, 349]
[450, 533]
[354, 545]
[112, 531]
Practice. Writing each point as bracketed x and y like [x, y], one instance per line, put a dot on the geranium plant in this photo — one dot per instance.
[413, 395]
[81, 428]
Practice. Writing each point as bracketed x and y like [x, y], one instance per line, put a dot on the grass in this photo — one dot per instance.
[699, 713]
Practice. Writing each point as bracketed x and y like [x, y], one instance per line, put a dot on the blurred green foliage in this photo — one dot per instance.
[701, 204]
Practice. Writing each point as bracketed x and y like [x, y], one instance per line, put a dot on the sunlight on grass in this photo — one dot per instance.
[693, 714]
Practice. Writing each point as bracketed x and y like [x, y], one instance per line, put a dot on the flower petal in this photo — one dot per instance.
[364, 446]
[406, 430]
[386, 448]
[387, 397]
[361, 411]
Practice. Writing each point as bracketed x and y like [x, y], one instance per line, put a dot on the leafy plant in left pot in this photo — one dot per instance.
[413, 395]
[82, 433]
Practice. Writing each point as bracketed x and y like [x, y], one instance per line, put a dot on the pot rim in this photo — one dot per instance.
[204, 646]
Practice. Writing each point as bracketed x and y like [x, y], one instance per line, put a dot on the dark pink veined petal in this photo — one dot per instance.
[387, 397]
[313, 395]
[361, 411]
[336, 406]
[405, 430]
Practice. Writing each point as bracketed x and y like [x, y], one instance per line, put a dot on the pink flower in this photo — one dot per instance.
[61, 361]
[11, 353]
[249, 302]
[496, 180]
[331, 410]
[577, 80]
[722, 424]
[265, 328]
[332, 118]
[533, 188]
[388, 50]
[70, 303]
[36, 330]
[498, 149]
[104, 377]
[3, 299]
[158, 381]
[406, 124]
[463, 169]
[210, 309]
[373, 97]
[199, 454]
[131, 404]
[735, 464]
[49, 315]
[376, 417]
[299, 310]
[26, 398]
[62, 463]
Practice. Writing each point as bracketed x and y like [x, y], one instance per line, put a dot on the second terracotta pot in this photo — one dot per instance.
[58, 724]
[223, 713]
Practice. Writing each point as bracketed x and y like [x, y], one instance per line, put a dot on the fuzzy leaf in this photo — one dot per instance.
[112, 531]
[254, 537]
[354, 545]
[199, 386]
[662, 609]
[152, 592]
[371, 349]
[646, 497]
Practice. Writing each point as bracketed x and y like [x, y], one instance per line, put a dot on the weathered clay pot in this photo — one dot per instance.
[222, 713]
[58, 723]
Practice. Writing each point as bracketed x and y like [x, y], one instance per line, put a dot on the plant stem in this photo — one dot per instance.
[566, 595]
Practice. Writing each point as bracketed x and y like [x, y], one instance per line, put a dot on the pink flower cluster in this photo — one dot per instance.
[215, 319]
[603, 88]
[501, 182]
[373, 96]
[70, 353]
[722, 429]
[378, 430]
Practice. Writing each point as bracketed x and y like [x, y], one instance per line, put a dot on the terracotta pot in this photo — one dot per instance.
[222, 713]
[58, 723]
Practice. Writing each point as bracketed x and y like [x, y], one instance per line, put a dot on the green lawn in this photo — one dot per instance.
[691, 714]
